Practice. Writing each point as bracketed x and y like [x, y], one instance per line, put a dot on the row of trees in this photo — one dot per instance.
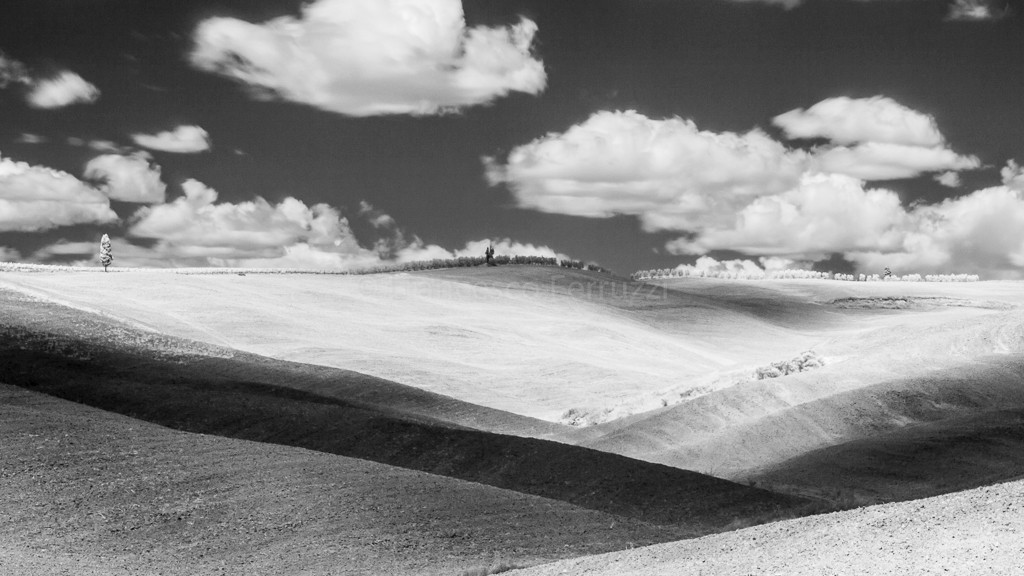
[797, 274]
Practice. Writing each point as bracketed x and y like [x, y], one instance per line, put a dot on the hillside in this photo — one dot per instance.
[609, 343]
[92, 493]
[199, 388]
[902, 360]
[972, 532]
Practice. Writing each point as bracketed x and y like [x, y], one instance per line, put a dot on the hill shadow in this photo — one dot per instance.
[194, 387]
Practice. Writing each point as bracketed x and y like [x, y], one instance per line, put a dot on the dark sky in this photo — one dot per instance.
[728, 67]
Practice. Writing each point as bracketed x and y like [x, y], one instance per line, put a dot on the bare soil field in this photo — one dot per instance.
[196, 387]
[660, 404]
[339, 481]
[971, 532]
[88, 492]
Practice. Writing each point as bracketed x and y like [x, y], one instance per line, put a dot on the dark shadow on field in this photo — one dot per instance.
[191, 387]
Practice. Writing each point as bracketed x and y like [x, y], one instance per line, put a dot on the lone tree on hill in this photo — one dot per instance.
[106, 258]
[489, 254]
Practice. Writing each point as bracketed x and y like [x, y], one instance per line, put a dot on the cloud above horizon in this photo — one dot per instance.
[373, 57]
[981, 232]
[37, 198]
[873, 138]
[667, 172]
[197, 226]
[61, 89]
[846, 120]
[752, 194]
[128, 178]
[64, 89]
[184, 139]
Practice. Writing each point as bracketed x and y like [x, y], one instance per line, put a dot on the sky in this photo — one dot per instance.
[849, 135]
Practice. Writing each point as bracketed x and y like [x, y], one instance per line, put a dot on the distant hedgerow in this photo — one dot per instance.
[797, 274]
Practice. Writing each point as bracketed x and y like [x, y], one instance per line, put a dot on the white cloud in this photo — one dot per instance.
[873, 138]
[851, 120]
[372, 57]
[64, 89]
[9, 254]
[948, 179]
[132, 178]
[673, 176]
[1013, 175]
[196, 226]
[182, 140]
[35, 198]
[377, 218]
[667, 172]
[196, 230]
[974, 10]
[982, 232]
[825, 213]
[885, 161]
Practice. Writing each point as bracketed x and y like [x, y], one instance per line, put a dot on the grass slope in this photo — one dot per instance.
[92, 493]
[187, 386]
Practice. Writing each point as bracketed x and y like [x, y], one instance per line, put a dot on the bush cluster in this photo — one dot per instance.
[801, 363]
[797, 274]
[580, 265]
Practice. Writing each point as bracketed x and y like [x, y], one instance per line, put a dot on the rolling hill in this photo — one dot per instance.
[633, 400]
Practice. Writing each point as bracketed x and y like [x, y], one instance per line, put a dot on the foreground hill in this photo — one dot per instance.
[200, 388]
[91, 493]
[972, 532]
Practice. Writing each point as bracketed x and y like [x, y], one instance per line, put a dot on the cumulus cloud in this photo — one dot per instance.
[850, 120]
[196, 226]
[673, 176]
[982, 232]
[36, 198]
[182, 140]
[667, 172]
[197, 230]
[377, 218]
[1013, 175]
[885, 161]
[948, 179]
[132, 178]
[873, 138]
[64, 89]
[825, 213]
[373, 57]
[749, 193]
